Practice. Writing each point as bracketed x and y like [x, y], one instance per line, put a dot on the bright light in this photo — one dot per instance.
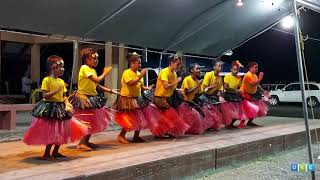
[239, 3]
[287, 22]
[228, 53]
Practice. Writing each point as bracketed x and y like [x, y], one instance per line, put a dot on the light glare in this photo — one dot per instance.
[239, 3]
[287, 22]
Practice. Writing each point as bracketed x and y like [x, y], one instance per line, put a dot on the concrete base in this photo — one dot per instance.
[156, 159]
[8, 114]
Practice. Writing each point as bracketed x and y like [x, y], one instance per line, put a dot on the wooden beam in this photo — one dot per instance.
[32, 39]
[111, 80]
[94, 46]
[47, 40]
[14, 37]
[35, 63]
[122, 61]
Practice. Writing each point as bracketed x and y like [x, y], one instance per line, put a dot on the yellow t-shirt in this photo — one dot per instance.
[234, 82]
[165, 75]
[246, 86]
[85, 85]
[208, 80]
[130, 91]
[188, 83]
[51, 84]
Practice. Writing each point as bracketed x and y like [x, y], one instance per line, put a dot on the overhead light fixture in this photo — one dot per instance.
[287, 22]
[239, 3]
[228, 53]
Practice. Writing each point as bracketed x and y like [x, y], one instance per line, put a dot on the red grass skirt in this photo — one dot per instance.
[255, 105]
[138, 119]
[152, 116]
[213, 118]
[232, 110]
[250, 109]
[192, 117]
[44, 131]
[135, 113]
[170, 123]
[263, 107]
[97, 118]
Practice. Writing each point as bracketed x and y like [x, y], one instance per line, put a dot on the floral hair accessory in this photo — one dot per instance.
[239, 64]
[94, 55]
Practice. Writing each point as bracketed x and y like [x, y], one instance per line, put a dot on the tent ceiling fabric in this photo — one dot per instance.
[207, 27]
[229, 25]
[65, 17]
[152, 23]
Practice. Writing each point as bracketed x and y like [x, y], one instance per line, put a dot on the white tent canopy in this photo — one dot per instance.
[207, 27]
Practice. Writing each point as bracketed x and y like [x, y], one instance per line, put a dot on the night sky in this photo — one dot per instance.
[276, 54]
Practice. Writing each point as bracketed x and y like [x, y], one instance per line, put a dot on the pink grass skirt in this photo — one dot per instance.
[44, 131]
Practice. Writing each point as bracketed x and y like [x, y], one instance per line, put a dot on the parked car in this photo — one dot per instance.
[292, 93]
[272, 87]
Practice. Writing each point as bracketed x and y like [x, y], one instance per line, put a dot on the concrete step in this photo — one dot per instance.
[157, 158]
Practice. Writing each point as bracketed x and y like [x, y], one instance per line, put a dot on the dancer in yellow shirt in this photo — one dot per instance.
[89, 106]
[134, 110]
[212, 87]
[166, 98]
[232, 109]
[189, 110]
[53, 123]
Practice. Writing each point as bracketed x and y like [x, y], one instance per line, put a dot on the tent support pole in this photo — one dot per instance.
[109, 17]
[309, 5]
[298, 40]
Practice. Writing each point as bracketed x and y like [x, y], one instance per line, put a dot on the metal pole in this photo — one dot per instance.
[309, 5]
[75, 60]
[301, 77]
[146, 59]
[160, 61]
[305, 37]
[146, 54]
[106, 19]
[147, 78]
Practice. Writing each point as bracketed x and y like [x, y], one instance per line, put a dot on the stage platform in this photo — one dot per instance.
[157, 158]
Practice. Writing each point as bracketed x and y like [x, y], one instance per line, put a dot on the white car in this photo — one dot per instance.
[292, 93]
[272, 87]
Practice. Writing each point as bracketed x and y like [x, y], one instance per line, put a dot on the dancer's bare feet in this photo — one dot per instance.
[253, 124]
[231, 126]
[83, 147]
[122, 139]
[241, 124]
[138, 140]
[46, 157]
[58, 155]
[92, 145]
